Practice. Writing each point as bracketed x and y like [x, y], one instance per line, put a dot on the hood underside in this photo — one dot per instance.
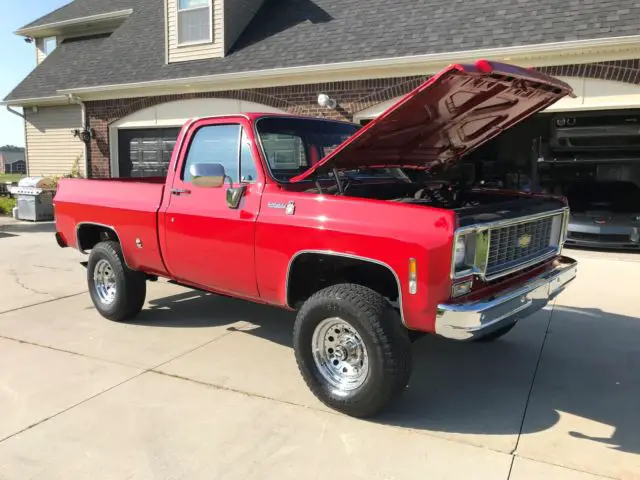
[445, 118]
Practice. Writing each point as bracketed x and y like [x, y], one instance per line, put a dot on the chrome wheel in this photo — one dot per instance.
[104, 282]
[340, 354]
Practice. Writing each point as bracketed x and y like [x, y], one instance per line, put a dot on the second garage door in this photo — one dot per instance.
[145, 152]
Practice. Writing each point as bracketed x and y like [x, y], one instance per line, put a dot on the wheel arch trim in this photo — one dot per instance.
[344, 255]
[97, 224]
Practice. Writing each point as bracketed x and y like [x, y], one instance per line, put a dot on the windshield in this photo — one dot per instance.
[610, 196]
[292, 145]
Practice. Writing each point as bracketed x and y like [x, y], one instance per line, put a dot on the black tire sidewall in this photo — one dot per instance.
[130, 285]
[366, 397]
[112, 308]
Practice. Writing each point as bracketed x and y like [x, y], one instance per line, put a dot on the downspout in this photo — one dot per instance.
[85, 126]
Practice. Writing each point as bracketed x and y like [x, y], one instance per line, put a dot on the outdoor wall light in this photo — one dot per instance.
[325, 101]
[85, 134]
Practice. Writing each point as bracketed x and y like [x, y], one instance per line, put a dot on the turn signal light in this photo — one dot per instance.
[462, 288]
[413, 276]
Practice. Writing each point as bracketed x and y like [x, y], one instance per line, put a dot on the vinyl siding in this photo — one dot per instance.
[51, 147]
[177, 53]
[39, 50]
[237, 15]
[39, 43]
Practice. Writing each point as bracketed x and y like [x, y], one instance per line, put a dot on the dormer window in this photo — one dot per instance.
[194, 21]
[49, 44]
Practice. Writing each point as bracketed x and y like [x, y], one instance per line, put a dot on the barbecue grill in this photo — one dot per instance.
[34, 198]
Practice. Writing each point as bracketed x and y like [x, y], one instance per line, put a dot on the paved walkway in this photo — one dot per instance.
[204, 387]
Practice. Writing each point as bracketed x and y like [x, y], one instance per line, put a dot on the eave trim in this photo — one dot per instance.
[101, 17]
[427, 63]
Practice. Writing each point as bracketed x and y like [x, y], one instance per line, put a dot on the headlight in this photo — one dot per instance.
[461, 252]
[470, 253]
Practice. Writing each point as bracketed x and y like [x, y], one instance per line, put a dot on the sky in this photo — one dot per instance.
[17, 58]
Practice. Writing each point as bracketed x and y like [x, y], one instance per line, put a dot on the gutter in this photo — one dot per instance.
[545, 54]
[39, 101]
[101, 17]
[85, 126]
[15, 112]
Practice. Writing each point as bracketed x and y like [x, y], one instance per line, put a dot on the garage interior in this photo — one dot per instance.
[590, 157]
[550, 151]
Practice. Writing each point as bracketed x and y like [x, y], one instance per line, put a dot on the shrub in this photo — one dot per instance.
[6, 205]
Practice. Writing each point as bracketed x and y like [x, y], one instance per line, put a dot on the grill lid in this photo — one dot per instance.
[37, 182]
[33, 186]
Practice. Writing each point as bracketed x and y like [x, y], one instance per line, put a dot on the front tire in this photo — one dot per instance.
[117, 292]
[352, 350]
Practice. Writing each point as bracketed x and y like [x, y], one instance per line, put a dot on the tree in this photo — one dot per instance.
[11, 148]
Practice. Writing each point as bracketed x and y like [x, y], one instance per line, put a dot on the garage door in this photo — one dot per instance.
[145, 152]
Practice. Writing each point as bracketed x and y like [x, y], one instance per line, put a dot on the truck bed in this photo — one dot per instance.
[128, 206]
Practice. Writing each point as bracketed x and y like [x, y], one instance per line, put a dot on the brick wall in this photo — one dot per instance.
[352, 97]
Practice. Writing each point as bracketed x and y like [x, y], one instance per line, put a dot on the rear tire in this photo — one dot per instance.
[117, 292]
[495, 335]
[352, 350]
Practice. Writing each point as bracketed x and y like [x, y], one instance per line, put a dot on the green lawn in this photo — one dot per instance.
[10, 177]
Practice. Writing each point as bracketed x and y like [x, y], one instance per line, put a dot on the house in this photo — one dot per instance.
[115, 79]
[12, 162]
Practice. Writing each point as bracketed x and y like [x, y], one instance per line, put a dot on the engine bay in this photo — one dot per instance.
[473, 205]
[433, 193]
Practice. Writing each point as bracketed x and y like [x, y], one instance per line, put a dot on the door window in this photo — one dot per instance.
[227, 145]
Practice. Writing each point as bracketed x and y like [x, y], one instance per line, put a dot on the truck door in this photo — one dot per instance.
[209, 244]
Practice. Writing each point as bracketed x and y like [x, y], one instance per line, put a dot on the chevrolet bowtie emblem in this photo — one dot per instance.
[524, 240]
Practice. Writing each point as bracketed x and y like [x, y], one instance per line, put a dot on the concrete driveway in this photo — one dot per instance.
[203, 387]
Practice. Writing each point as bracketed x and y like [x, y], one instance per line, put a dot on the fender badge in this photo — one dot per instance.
[291, 208]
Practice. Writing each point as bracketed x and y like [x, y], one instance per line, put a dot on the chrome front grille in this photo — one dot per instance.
[514, 245]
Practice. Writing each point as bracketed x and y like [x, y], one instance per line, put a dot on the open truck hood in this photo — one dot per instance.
[445, 118]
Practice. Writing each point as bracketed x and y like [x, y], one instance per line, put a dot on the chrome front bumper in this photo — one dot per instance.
[469, 321]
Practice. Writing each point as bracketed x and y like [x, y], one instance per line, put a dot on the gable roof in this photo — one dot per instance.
[294, 33]
[79, 9]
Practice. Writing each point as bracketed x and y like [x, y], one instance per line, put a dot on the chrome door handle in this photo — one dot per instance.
[180, 191]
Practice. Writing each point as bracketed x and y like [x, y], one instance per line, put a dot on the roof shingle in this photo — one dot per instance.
[287, 33]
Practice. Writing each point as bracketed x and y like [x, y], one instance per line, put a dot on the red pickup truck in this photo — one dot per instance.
[343, 224]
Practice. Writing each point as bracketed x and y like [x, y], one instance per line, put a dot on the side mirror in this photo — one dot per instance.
[211, 175]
